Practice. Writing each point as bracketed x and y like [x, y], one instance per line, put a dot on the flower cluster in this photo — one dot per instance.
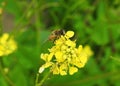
[64, 57]
[7, 44]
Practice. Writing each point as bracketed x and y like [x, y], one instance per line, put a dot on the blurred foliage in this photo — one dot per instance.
[95, 22]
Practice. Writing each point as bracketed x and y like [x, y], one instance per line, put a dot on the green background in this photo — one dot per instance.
[95, 22]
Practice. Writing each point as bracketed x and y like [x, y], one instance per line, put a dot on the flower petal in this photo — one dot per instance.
[41, 69]
[72, 70]
[88, 50]
[55, 69]
[69, 34]
[63, 69]
[59, 56]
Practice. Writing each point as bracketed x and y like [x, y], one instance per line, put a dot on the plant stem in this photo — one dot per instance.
[4, 75]
[37, 78]
[43, 80]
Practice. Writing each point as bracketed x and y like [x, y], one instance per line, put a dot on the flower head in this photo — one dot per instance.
[7, 44]
[64, 57]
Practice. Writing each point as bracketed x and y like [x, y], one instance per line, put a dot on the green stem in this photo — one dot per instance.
[37, 78]
[4, 75]
[43, 80]
[115, 58]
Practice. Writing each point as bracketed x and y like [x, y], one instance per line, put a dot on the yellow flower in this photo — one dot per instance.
[64, 57]
[88, 50]
[80, 48]
[70, 43]
[63, 69]
[7, 44]
[72, 70]
[55, 69]
[69, 34]
[47, 57]
[1, 50]
[47, 64]
[59, 56]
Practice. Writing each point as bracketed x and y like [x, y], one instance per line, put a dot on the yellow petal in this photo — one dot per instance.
[59, 56]
[82, 61]
[41, 69]
[1, 50]
[50, 56]
[44, 56]
[1, 53]
[83, 58]
[63, 47]
[70, 43]
[88, 50]
[80, 48]
[12, 44]
[60, 41]
[4, 38]
[69, 34]
[63, 69]
[55, 69]
[72, 70]
[79, 64]
[8, 44]
[47, 64]
[63, 73]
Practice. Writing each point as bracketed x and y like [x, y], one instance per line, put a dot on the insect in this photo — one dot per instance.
[56, 34]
